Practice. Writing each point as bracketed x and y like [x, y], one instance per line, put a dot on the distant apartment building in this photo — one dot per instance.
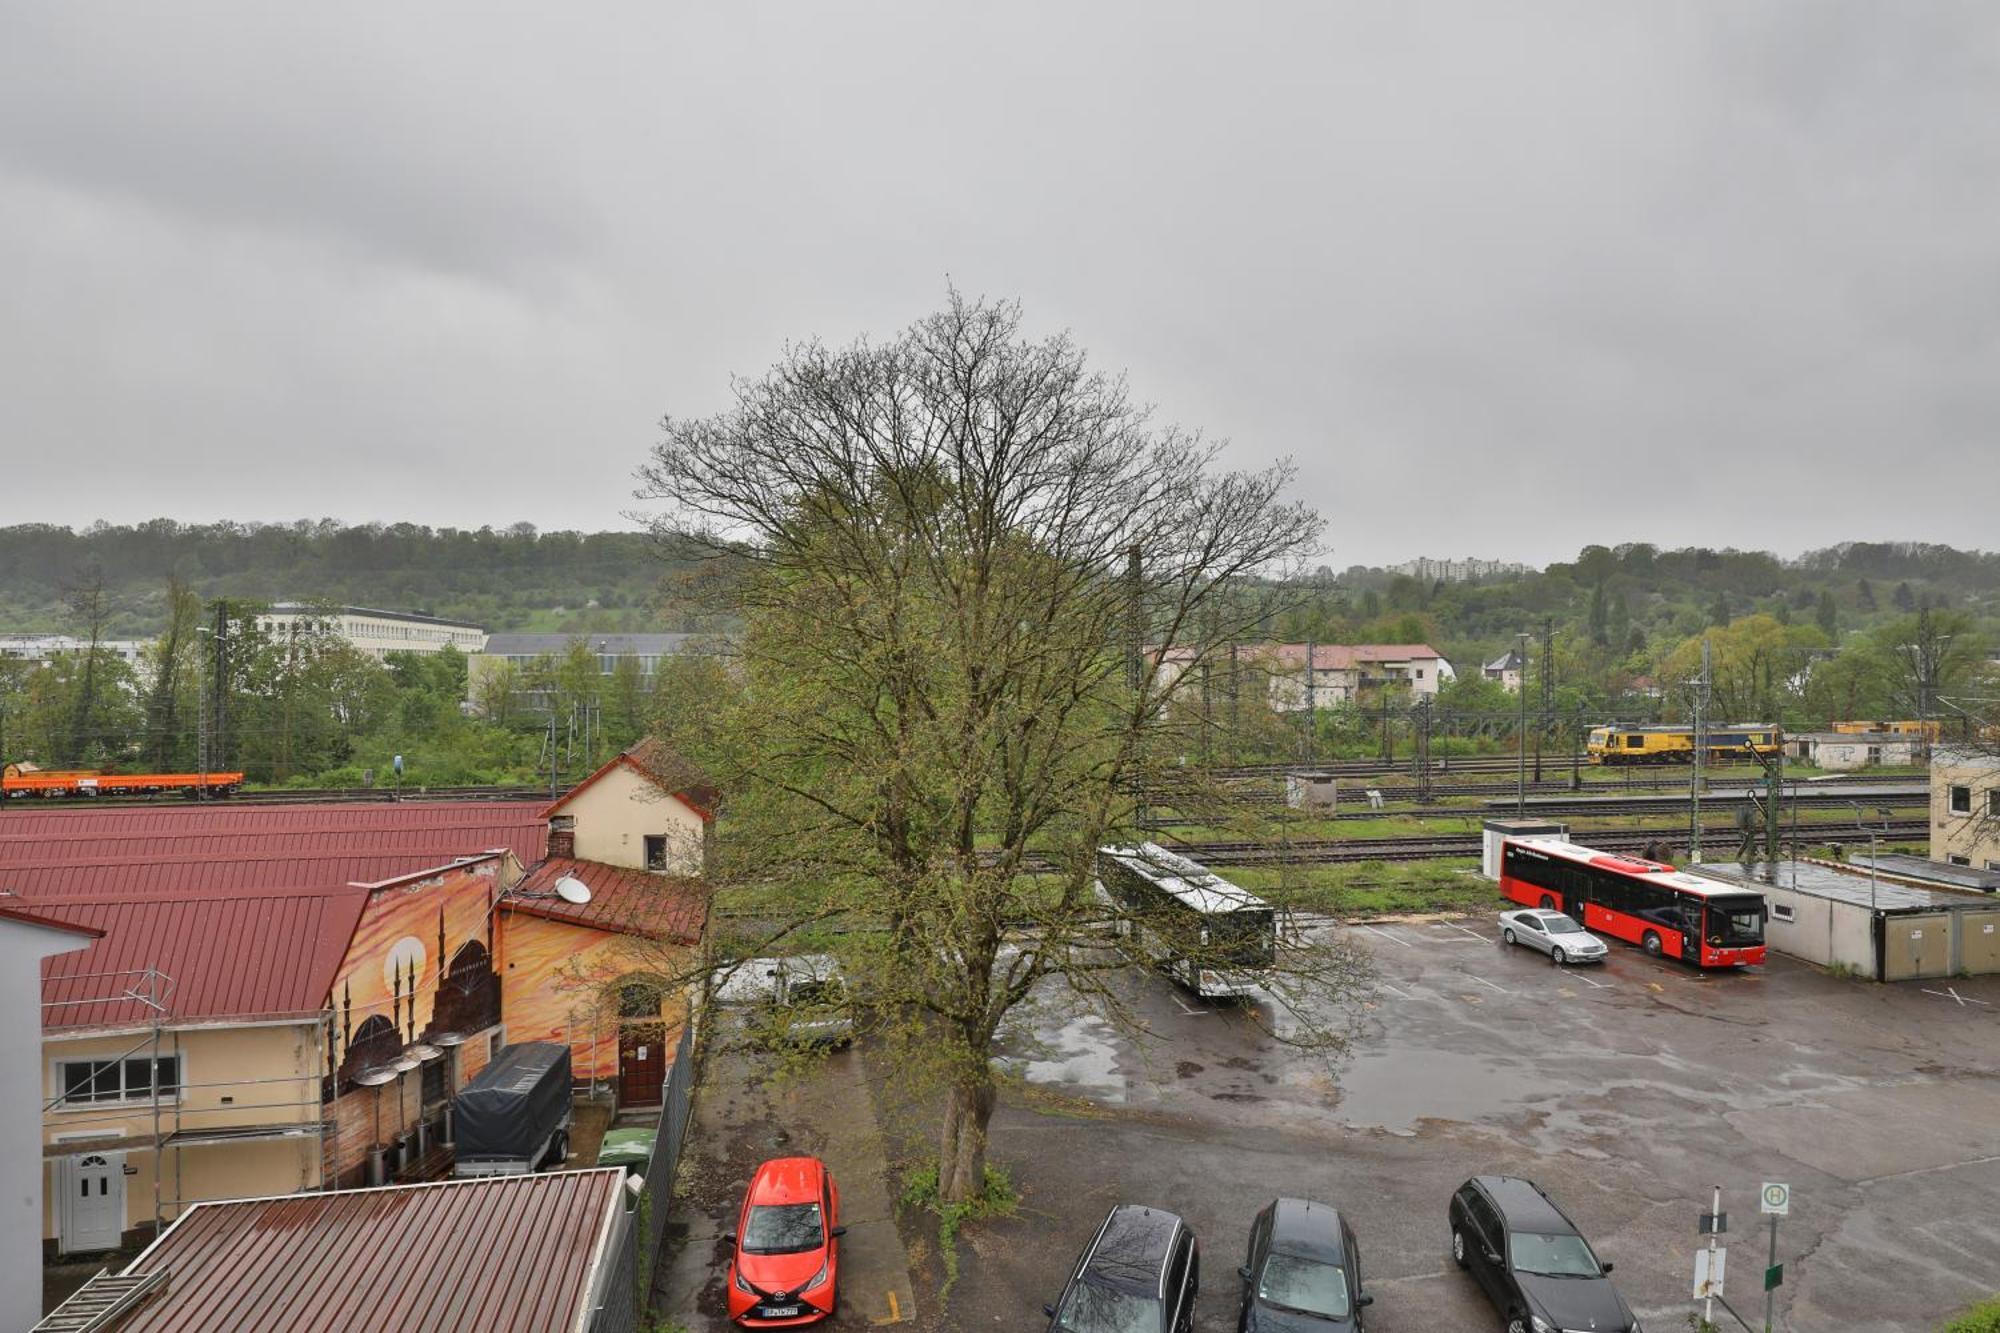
[1965, 807]
[41, 649]
[523, 651]
[377, 633]
[1426, 570]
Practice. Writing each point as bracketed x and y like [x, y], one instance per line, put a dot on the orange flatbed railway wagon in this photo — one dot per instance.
[50, 784]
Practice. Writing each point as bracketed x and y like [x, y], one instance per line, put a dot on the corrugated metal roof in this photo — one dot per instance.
[228, 955]
[623, 900]
[60, 853]
[510, 1254]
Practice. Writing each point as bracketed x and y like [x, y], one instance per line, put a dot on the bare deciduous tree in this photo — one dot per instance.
[955, 555]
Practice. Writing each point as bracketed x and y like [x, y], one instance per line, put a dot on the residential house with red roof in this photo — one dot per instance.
[616, 905]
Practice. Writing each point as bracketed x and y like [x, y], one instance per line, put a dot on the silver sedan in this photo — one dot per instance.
[1554, 933]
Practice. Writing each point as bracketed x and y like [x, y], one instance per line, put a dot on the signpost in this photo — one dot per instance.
[1775, 1202]
[1708, 1263]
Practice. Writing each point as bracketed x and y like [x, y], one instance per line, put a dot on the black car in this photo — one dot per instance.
[1303, 1274]
[1537, 1269]
[1138, 1275]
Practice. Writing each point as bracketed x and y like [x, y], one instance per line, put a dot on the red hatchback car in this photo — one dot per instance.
[785, 1271]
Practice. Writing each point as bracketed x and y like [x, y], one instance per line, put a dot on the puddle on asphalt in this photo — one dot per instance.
[1392, 1090]
[1081, 1056]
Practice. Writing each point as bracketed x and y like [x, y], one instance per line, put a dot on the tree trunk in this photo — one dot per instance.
[962, 1144]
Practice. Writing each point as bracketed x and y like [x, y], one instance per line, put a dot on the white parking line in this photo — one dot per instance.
[1951, 993]
[1573, 974]
[1467, 930]
[1484, 982]
[1191, 1013]
[1387, 936]
[1401, 995]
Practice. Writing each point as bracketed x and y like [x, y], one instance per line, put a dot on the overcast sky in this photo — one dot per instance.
[1502, 279]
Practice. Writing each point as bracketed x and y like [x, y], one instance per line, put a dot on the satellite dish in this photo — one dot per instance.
[572, 890]
[375, 1078]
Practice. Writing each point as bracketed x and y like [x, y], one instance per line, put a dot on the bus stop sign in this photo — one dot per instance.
[1776, 1200]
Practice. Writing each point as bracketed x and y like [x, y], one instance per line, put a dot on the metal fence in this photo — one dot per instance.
[676, 1110]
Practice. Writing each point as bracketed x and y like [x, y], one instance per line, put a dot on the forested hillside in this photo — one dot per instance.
[508, 578]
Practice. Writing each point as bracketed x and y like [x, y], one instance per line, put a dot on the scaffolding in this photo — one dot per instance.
[167, 1107]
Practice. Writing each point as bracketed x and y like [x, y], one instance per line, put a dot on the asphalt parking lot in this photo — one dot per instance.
[1627, 1090]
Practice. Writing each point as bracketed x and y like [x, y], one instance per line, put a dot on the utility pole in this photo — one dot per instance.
[1700, 750]
[1546, 672]
[1521, 732]
[1423, 760]
[1312, 703]
[219, 709]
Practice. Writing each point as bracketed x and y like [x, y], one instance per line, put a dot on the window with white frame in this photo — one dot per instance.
[128, 1079]
[1780, 912]
[1961, 800]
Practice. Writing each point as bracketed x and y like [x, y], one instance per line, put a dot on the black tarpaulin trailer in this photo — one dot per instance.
[507, 1120]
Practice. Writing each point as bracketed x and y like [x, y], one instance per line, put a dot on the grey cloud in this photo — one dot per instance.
[1502, 279]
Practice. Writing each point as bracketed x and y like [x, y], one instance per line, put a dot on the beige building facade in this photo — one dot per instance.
[1965, 807]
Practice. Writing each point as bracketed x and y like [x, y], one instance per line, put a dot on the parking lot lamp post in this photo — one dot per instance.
[1860, 824]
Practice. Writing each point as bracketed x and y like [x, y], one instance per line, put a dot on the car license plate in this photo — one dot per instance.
[781, 1311]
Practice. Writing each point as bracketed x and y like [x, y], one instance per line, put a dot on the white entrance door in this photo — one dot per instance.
[93, 1195]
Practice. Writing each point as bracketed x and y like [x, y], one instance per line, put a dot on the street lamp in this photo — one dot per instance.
[1864, 827]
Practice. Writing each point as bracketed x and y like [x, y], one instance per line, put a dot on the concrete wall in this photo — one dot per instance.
[22, 949]
[615, 814]
[1809, 934]
[1916, 947]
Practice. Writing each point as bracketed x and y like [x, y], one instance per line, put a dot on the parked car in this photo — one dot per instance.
[785, 1269]
[1303, 1274]
[1555, 933]
[1534, 1265]
[1139, 1274]
[799, 1001]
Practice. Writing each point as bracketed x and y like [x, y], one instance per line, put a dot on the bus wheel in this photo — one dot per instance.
[1651, 943]
[1548, 903]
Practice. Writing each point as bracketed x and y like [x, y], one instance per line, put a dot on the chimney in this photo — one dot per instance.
[562, 836]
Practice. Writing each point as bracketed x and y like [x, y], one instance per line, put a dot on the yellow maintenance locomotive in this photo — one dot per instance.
[1735, 743]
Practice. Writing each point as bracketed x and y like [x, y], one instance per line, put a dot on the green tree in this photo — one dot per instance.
[1904, 599]
[1718, 611]
[173, 683]
[1827, 617]
[950, 549]
[1600, 618]
[1864, 596]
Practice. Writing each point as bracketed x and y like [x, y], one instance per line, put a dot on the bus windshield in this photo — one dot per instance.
[1735, 922]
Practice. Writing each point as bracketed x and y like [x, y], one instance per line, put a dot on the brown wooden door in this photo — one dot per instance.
[642, 1063]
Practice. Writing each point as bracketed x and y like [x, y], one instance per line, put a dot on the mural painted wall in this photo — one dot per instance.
[552, 978]
[420, 965]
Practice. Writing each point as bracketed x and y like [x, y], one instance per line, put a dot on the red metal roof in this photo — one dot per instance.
[167, 849]
[508, 1254]
[227, 955]
[47, 922]
[622, 900]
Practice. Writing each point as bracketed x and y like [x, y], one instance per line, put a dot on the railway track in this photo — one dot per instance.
[1337, 851]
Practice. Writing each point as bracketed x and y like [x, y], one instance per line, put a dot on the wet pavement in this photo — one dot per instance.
[742, 1118]
[1627, 1090]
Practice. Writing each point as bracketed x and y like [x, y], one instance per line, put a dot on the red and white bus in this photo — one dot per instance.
[1667, 912]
